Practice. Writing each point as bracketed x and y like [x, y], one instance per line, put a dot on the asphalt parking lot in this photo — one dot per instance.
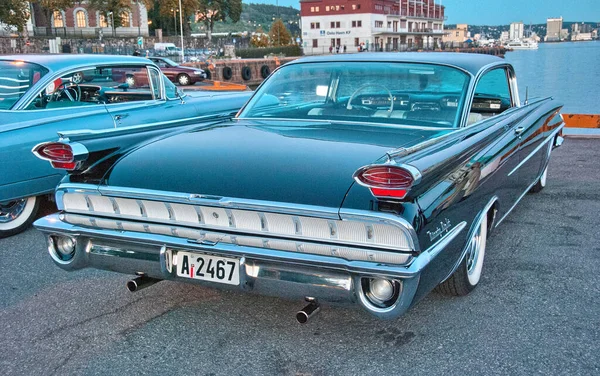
[536, 310]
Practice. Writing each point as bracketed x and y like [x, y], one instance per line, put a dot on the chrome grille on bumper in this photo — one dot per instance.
[360, 239]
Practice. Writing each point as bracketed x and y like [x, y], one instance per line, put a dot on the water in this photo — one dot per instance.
[569, 72]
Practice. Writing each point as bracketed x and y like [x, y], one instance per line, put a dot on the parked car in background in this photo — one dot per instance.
[178, 73]
[166, 49]
[41, 95]
[365, 178]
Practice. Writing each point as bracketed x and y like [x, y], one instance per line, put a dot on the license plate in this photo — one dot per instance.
[208, 268]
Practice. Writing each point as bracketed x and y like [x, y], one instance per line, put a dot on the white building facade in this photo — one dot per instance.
[517, 31]
[373, 25]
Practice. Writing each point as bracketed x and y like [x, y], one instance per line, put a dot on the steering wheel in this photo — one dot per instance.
[58, 92]
[349, 106]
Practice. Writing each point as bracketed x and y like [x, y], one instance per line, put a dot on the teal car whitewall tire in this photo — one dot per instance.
[17, 215]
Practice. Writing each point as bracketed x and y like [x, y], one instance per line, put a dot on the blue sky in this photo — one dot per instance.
[494, 12]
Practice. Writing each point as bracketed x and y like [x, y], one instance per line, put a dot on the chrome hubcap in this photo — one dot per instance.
[9, 211]
[183, 80]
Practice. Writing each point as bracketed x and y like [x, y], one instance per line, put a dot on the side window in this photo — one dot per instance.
[170, 88]
[155, 80]
[98, 85]
[492, 96]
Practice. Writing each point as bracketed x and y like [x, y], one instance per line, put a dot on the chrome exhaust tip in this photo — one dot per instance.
[141, 282]
[309, 311]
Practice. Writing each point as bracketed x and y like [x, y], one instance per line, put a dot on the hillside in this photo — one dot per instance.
[254, 15]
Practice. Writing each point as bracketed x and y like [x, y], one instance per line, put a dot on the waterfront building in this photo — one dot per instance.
[457, 37]
[554, 26]
[83, 21]
[517, 30]
[504, 36]
[388, 25]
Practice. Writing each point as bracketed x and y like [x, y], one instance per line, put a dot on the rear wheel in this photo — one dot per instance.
[468, 274]
[17, 215]
[183, 79]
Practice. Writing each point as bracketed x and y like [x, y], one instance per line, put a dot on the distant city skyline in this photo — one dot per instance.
[494, 12]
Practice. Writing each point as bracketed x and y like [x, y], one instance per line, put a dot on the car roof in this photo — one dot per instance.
[469, 62]
[59, 62]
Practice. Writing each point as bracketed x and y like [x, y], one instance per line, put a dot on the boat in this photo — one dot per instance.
[518, 44]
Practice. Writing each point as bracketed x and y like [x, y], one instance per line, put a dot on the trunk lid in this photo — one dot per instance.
[309, 164]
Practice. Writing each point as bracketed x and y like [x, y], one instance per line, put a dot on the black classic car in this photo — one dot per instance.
[367, 178]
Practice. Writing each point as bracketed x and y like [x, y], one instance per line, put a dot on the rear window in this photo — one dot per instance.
[16, 77]
[387, 93]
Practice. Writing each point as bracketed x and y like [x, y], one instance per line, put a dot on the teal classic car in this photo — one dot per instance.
[41, 95]
[363, 178]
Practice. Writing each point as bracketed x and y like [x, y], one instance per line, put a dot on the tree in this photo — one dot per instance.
[279, 34]
[210, 11]
[162, 12]
[51, 6]
[259, 38]
[15, 13]
[113, 11]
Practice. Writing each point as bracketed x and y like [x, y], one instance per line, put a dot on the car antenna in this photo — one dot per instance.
[526, 95]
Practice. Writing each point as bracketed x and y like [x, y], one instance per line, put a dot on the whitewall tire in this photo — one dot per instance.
[17, 215]
[468, 274]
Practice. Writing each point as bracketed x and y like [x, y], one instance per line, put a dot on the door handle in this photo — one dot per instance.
[119, 117]
[519, 130]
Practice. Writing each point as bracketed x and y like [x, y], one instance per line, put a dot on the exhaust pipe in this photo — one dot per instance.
[309, 311]
[141, 282]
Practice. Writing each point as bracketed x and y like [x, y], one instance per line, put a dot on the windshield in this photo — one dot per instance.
[16, 77]
[387, 93]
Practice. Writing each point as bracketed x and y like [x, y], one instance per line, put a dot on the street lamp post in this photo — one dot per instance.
[174, 19]
[181, 29]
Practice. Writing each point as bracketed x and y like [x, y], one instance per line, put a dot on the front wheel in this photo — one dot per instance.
[17, 215]
[468, 274]
[183, 79]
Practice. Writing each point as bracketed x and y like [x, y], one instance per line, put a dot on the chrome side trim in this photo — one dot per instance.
[541, 145]
[519, 199]
[435, 249]
[474, 227]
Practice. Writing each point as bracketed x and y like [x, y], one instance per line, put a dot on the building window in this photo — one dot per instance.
[315, 43]
[358, 23]
[457, 33]
[102, 21]
[342, 7]
[378, 7]
[327, 8]
[378, 24]
[356, 42]
[58, 19]
[316, 9]
[335, 25]
[389, 24]
[353, 23]
[125, 19]
[355, 6]
[80, 19]
[332, 25]
[312, 9]
[315, 25]
[337, 7]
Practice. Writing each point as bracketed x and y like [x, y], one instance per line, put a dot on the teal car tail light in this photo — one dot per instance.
[61, 155]
[386, 181]
[58, 154]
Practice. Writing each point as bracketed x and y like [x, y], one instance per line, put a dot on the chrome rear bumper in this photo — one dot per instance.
[266, 271]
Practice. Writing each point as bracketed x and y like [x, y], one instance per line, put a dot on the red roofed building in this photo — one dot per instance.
[386, 25]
